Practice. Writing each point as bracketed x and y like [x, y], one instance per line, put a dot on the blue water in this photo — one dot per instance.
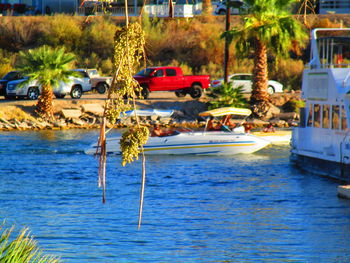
[250, 208]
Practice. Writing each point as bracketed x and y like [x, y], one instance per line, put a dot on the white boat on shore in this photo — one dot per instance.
[198, 142]
[323, 134]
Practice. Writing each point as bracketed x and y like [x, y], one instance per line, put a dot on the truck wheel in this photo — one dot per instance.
[33, 93]
[196, 91]
[101, 88]
[145, 92]
[76, 92]
[180, 94]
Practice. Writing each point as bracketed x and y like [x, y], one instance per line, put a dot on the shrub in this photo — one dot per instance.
[19, 33]
[106, 67]
[226, 96]
[6, 62]
[62, 30]
[289, 73]
[293, 105]
[98, 38]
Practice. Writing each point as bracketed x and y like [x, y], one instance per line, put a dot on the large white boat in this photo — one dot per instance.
[198, 142]
[323, 134]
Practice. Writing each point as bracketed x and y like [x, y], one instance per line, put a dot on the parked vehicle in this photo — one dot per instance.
[12, 75]
[246, 81]
[75, 87]
[99, 83]
[238, 8]
[171, 79]
[31, 90]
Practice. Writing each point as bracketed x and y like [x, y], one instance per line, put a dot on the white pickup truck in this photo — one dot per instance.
[99, 83]
[76, 86]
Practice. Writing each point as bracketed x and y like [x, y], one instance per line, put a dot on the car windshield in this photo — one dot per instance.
[12, 75]
[93, 72]
[145, 72]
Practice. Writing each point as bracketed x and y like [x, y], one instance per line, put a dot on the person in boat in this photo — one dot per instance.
[229, 122]
[269, 128]
[247, 127]
[213, 125]
[159, 132]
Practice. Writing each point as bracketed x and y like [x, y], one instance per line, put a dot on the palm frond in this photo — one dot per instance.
[22, 248]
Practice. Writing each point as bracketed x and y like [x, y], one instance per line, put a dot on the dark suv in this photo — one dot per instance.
[12, 75]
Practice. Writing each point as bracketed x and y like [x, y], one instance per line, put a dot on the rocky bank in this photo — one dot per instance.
[86, 113]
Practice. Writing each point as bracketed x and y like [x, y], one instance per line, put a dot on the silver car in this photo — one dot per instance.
[76, 86]
[238, 10]
[246, 81]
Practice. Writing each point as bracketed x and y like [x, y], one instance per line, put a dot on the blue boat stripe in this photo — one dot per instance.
[197, 144]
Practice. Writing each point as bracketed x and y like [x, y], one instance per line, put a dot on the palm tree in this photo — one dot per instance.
[48, 67]
[268, 27]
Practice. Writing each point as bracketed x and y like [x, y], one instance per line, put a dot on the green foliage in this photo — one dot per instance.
[226, 96]
[128, 53]
[6, 62]
[98, 37]
[106, 67]
[194, 42]
[89, 61]
[293, 105]
[19, 33]
[289, 72]
[270, 22]
[23, 248]
[58, 30]
[46, 65]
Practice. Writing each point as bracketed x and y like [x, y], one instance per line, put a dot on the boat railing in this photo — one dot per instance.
[330, 51]
[346, 79]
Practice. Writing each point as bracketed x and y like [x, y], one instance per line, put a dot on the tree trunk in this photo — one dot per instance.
[44, 107]
[260, 98]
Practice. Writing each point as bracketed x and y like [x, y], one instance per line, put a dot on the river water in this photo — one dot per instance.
[250, 208]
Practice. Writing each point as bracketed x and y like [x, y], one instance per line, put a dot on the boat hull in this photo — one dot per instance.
[204, 143]
[321, 167]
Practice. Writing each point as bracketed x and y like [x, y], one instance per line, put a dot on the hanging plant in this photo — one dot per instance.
[128, 54]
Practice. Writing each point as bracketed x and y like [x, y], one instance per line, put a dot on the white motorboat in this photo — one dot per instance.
[198, 142]
[323, 133]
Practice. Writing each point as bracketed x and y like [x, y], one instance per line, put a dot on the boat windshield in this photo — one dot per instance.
[145, 72]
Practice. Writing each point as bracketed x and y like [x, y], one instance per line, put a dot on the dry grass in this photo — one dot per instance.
[13, 112]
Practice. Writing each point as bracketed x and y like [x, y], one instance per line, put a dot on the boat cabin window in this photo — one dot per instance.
[325, 117]
[317, 115]
[309, 117]
[334, 51]
[335, 117]
[344, 125]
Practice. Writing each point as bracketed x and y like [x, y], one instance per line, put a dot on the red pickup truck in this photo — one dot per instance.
[171, 79]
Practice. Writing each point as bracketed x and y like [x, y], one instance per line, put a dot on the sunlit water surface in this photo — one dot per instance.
[249, 208]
